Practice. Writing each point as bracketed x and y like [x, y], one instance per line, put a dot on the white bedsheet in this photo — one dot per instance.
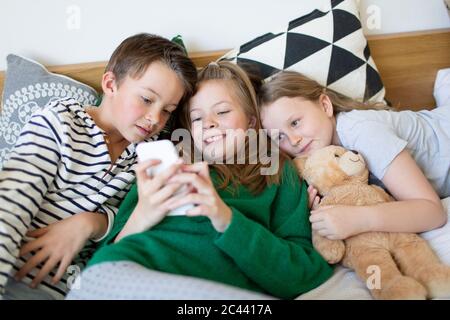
[344, 284]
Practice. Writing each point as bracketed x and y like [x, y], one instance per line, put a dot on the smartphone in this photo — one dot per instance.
[165, 151]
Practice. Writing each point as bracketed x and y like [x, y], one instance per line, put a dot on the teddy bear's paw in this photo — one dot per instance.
[401, 288]
[333, 251]
[437, 281]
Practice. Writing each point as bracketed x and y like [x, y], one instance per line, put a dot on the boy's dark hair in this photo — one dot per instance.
[136, 53]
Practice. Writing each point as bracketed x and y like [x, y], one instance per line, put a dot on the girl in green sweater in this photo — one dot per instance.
[248, 229]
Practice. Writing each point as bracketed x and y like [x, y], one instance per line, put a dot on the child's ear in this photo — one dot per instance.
[109, 83]
[326, 104]
[300, 163]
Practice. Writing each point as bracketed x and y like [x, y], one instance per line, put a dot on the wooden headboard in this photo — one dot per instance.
[407, 62]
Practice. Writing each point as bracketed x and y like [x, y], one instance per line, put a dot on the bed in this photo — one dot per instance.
[407, 63]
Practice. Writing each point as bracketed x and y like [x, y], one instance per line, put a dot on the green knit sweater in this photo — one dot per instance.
[266, 248]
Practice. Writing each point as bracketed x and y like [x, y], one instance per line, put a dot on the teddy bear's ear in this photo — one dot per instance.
[300, 163]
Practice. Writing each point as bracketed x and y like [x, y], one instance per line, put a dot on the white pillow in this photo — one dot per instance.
[442, 88]
[327, 45]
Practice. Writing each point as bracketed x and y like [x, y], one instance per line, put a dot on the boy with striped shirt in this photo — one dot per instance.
[73, 165]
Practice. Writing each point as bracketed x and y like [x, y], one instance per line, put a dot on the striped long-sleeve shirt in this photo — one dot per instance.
[60, 166]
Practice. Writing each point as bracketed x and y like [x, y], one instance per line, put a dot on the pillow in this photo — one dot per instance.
[441, 90]
[327, 45]
[28, 86]
[178, 39]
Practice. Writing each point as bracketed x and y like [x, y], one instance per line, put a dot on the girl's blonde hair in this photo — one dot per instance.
[293, 84]
[246, 174]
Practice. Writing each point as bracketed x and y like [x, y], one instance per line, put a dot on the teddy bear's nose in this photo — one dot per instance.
[355, 152]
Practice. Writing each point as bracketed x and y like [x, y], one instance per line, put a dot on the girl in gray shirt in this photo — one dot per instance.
[408, 152]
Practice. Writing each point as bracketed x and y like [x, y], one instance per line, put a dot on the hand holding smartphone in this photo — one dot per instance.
[165, 151]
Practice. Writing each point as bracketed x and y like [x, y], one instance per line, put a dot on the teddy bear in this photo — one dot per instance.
[407, 266]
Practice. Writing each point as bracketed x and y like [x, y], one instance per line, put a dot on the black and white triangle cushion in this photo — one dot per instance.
[327, 45]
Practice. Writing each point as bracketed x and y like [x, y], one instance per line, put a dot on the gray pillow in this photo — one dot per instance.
[29, 86]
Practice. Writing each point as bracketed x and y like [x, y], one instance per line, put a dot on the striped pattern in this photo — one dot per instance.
[60, 166]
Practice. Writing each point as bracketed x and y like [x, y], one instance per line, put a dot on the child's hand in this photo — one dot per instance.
[206, 198]
[57, 244]
[154, 194]
[313, 198]
[338, 222]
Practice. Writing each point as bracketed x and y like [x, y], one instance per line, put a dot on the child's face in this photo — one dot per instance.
[217, 120]
[141, 107]
[304, 125]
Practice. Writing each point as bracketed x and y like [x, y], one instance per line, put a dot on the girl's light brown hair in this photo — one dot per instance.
[246, 174]
[293, 84]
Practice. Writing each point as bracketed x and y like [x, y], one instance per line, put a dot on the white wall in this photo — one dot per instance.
[406, 15]
[46, 30]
